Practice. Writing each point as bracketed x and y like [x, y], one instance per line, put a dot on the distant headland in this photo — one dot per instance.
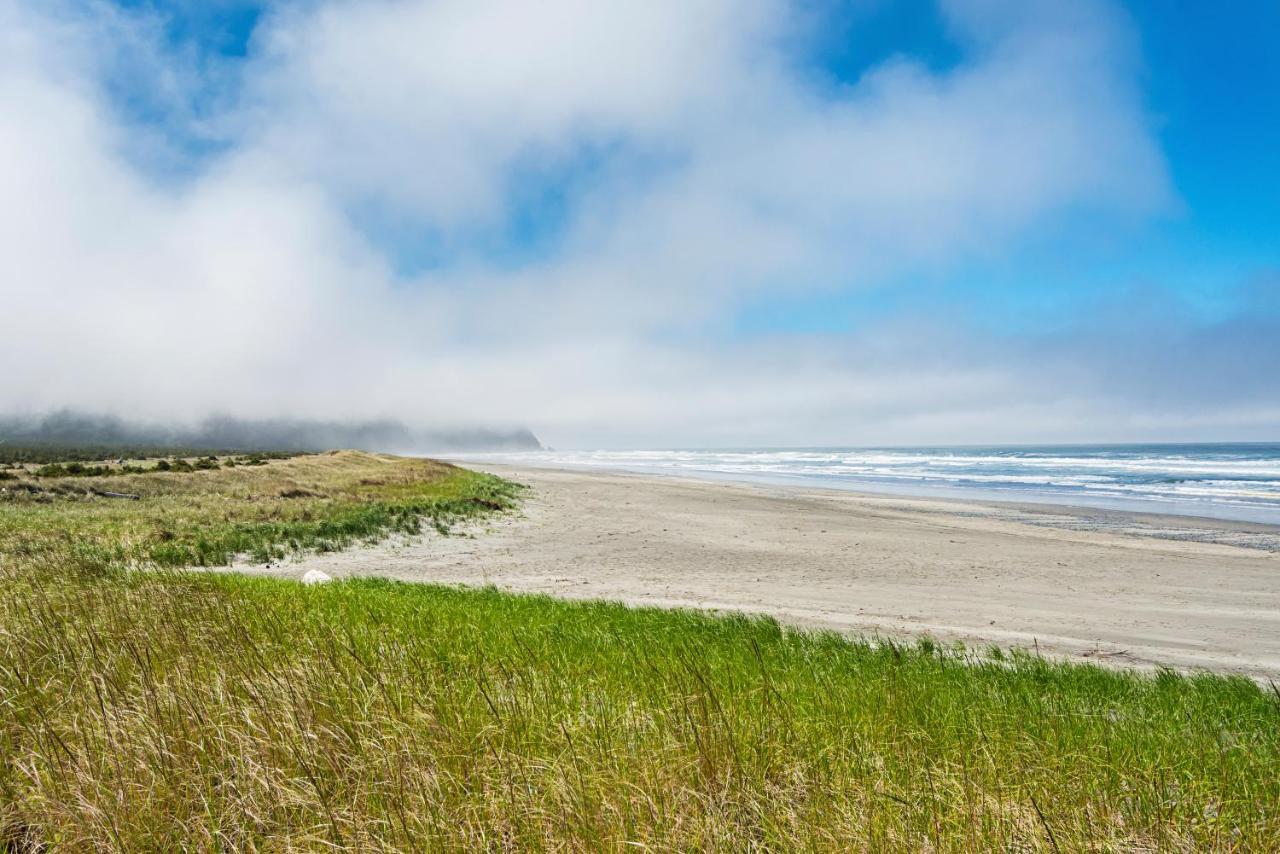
[69, 428]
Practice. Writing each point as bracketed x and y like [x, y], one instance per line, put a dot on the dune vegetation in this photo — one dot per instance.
[145, 707]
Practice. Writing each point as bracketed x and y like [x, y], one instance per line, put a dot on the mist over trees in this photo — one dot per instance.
[69, 428]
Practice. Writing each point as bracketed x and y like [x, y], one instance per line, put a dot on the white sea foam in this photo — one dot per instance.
[1233, 481]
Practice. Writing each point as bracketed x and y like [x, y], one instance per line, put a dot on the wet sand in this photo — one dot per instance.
[1109, 587]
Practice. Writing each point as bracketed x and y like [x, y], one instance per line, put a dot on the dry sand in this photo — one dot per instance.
[1113, 588]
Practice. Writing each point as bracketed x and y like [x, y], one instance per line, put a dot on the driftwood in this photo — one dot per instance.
[124, 495]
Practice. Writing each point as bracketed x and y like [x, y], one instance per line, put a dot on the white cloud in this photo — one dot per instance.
[252, 283]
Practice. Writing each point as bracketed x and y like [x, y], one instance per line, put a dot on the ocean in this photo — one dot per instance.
[1223, 481]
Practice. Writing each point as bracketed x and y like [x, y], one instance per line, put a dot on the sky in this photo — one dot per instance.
[677, 223]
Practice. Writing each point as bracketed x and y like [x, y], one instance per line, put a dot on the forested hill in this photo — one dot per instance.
[69, 429]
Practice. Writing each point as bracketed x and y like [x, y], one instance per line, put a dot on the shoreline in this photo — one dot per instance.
[1176, 526]
[1026, 497]
[867, 564]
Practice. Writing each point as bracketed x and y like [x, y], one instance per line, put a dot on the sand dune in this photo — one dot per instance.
[1062, 581]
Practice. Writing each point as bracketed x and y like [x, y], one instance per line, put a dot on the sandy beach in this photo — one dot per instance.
[1108, 587]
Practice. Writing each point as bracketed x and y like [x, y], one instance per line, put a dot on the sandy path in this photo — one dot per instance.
[864, 564]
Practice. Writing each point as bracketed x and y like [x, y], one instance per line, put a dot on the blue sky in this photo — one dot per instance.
[641, 203]
[1210, 81]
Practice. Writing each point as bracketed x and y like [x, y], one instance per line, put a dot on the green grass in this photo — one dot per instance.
[165, 710]
[262, 512]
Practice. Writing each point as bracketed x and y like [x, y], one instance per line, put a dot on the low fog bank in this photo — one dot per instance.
[77, 429]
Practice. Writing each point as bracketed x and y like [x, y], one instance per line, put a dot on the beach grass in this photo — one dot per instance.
[259, 512]
[148, 708]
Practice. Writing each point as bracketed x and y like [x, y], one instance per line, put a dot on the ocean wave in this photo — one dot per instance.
[1168, 476]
